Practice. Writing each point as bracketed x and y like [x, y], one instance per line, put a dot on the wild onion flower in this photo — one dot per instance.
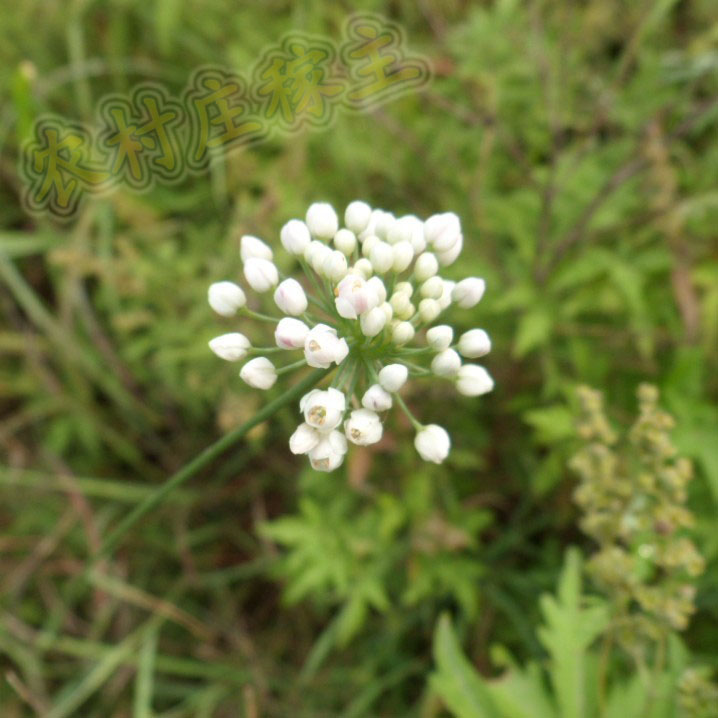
[369, 289]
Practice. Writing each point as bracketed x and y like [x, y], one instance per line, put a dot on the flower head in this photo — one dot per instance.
[378, 289]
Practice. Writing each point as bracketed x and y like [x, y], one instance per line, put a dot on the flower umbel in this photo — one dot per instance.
[370, 289]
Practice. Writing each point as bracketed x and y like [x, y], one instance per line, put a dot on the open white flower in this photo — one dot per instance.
[328, 454]
[377, 291]
[322, 347]
[363, 427]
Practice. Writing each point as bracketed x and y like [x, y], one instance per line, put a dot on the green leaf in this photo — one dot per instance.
[456, 680]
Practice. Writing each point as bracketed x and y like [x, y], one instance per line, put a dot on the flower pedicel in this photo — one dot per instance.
[375, 285]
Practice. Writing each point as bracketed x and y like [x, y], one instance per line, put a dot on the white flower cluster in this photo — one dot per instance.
[376, 287]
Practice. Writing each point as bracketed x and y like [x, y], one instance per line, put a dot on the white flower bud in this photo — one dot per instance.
[315, 254]
[442, 231]
[304, 439]
[405, 287]
[291, 333]
[445, 298]
[372, 322]
[230, 347]
[345, 241]
[432, 443]
[322, 347]
[393, 376]
[363, 267]
[403, 254]
[260, 274]
[334, 266]
[383, 222]
[250, 246]
[429, 309]
[357, 216]
[322, 220]
[363, 427]
[381, 257]
[426, 266]
[401, 304]
[355, 296]
[295, 237]
[328, 454]
[404, 229]
[377, 286]
[468, 292]
[368, 244]
[388, 311]
[402, 333]
[474, 343]
[440, 337]
[323, 409]
[432, 288]
[473, 380]
[226, 298]
[259, 373]
[449, 256]
[377, 398]
[290, 297]
[446, 363]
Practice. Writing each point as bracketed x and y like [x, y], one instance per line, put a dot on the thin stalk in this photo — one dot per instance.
[257, 315]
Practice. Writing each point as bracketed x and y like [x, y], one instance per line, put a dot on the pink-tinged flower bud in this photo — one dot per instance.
[259, 373]
[372, 322]
[230, 347]
[357, 216]
[250, 246]
[363, 427]
[322, 347]
[290, 297]
[393, 376]
[446, 363]
[433, 443]
[354, 296]
[295, 237]
[291, 333]
[260, 274]
[304, 439]
[474, 343]
[468, 292]
[426, 266]
[328, 454]
[226, 298]
[377, 398]
[440, 337]
[322, 220]
[473, 380]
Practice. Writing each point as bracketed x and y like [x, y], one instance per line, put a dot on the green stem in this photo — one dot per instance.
[414, 422]
[291, 367]
[257, 315]
[189, 470]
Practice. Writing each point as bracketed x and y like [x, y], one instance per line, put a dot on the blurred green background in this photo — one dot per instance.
[576, 141]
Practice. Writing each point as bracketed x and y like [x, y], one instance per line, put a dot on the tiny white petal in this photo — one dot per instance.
[440, 337]
[357, 216]
[446, 363]
[381, 257]
[372, 322]
[295, 237]
[250, 246]
[402, 332]
[468, 292]
[473, 380]
[322, 220]
[426, 266]
[433, 443]
[363, 427]
[432, 288]
[429, 309]
[259, 373]
[345, 241]
[403, 255]
[260, 274]
[474, 343]
[304, 439]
